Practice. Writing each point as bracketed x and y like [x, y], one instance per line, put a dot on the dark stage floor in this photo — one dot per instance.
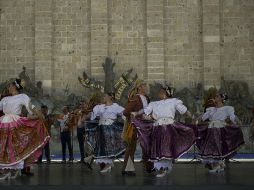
[194, 174]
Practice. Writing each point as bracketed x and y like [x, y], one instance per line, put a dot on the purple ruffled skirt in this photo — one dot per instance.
[164, 141]
[218, 143]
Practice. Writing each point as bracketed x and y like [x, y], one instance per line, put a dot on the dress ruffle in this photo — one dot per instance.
[21, 141]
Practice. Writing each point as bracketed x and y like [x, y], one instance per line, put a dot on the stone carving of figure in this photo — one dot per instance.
[30, 88]
[240, 98]
[199, 95]
[123, 85]
[39, 89]
[252, 126]
[108, 67]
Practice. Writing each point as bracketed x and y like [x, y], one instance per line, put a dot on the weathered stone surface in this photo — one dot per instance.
[183, 42]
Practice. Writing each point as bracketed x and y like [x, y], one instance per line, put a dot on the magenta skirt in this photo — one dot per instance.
[21, 141]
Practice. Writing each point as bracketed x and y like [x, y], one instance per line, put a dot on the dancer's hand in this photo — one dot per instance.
[146, 117]
[36, 116]
[188, 113]
[32, 116]
[194, 120]
[40, 115]
[133, 115]
[228, 121]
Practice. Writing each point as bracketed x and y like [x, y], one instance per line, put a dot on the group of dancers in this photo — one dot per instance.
[162, 139]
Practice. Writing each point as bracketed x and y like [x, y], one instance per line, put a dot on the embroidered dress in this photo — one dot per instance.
[108, 143]
[21, 139]
[164, 139]
[218, 140]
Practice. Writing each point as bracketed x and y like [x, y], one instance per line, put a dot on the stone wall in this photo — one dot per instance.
[181, 41]
[17, 38]
[237, 31]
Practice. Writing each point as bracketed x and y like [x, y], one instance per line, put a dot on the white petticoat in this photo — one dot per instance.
[104, 160]
[164, 164]
[17, 166]
[7, 118]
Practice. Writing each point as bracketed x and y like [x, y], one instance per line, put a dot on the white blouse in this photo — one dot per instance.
[219, 114]
[13, 104]
[62, 122]
[107, 112]
[144, 100]
[165, 108]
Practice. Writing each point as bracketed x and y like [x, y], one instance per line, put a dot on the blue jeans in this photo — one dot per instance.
[66, 139]
[80, 135]
[47, 153]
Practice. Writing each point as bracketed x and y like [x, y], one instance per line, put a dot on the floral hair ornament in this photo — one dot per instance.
[16, 84]
[224, 96]
[168, 90]
[23, 83]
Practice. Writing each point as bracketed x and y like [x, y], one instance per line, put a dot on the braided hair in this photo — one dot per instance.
[19, 84]
[224, 97]
[112, 95]
[168, 90]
